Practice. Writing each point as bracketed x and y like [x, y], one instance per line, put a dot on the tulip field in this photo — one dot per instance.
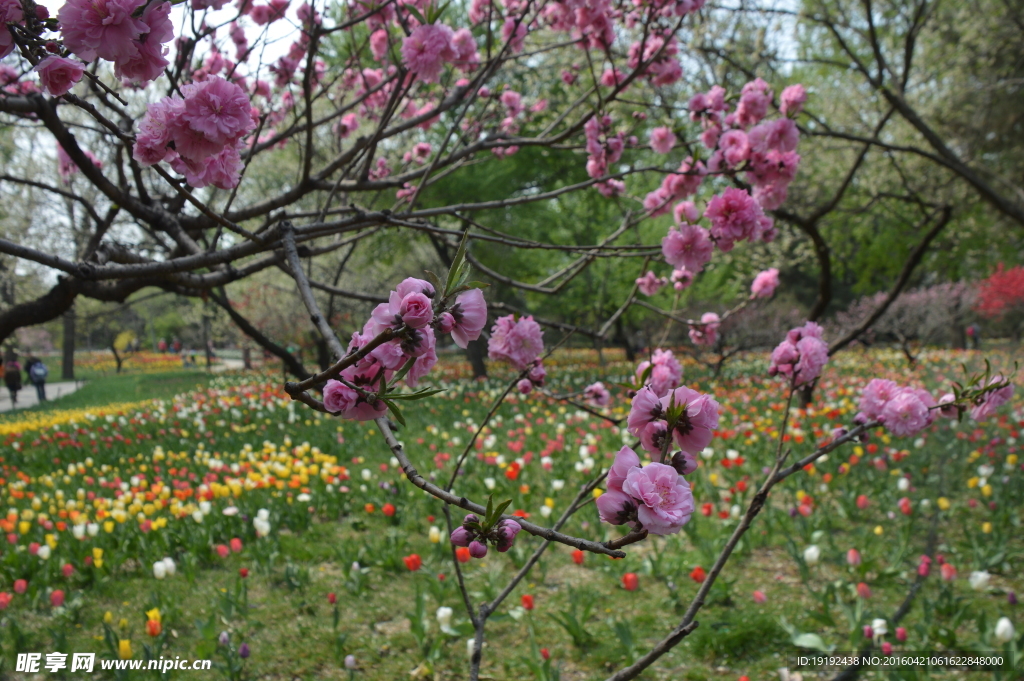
[231, 523]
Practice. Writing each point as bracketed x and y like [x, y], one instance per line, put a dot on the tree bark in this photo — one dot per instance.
[475, 351]
[68, 364]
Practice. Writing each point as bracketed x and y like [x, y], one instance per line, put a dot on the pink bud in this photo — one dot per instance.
[886, 648]
[868, 631]
[863, 591]
[525, 386]
[446, 322]
[901, 634]
[477, 549]
[759, 597]
[853, 557]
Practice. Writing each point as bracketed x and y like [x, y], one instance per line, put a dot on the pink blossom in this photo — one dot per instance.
[666, 372]
[685, 211]
[663, 140]
[906, 413]
[650, 283]
[346, 125]
[875, 396]
[379, 44]
[681, 279]
[801, 356]
[464, 44]
[688, 247]
[11, 12]
[513, 102]
[104, 29]
[645, 408]
[338, 397]
[992, 400]
[597, 394]
[706, 331]
[518, 342]
[765, 283]
[699, 417]
[513, 31]
[780, 134]
[415, 310]
[792, 100]
[666, 502]
[754, 100]
[654, 436]
[427, 49]
[156, 129]
[217, 109]
[735, 147]
[736, 216]
[425, 361]
[470, 313]
[58, 75]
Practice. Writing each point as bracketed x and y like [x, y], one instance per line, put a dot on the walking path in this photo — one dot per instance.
[27, 395]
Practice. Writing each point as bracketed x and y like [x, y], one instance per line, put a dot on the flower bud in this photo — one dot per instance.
[446, 322]
[524, 386]
[461, 536]
[477, 549]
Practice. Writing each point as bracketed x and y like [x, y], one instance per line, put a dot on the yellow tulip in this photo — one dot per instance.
[153, 615]
[986, 527]
[124, 649]
[108, 617]
[598, 492]
[943, 504]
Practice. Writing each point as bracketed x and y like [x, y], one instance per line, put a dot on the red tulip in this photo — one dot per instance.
[630, 581]
[413, 562]
[243, 572]
[332, 598]
[236, 545]
[388, 509]
[698, 574]
[20, 585]
[577, 557]
[527, 601]
[56, 598]
[462, 554]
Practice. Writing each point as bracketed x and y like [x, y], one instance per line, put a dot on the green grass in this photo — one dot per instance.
[126, 387]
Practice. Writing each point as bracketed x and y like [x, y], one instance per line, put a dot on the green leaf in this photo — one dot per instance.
[811, 641]
[394, 410]
[490, 508]
[455, 271]
[415, 12]
[419, 395]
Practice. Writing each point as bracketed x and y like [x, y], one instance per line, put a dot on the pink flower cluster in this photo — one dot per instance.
[655, 497]
[650, 283]
[678, 185]
[902, 410]
[58, 75]
[517, 342]
[765, 283]
[603, 149]
[666, 372]
[663, 66]
[430, 46]
[736, 216]
[687, 247]
[409, 306]
[986, 405]
[130, 33]
[597, 394]
[705, 332]
[206, 129]
[470, 534]
[692, 432]
[801, 356]
[11, 12]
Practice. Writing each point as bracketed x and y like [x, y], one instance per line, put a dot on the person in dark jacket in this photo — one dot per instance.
[37, 373]
[12, 375]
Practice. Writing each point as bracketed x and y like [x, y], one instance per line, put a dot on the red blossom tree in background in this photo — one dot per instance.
[1001, 298]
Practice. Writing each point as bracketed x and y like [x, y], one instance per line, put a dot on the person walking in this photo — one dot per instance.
[12, 376]
[37, 373]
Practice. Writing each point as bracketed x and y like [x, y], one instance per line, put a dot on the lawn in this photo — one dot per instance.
[182, 477]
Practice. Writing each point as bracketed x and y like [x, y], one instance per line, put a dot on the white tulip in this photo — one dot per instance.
[707, 452]
[444, 618]
[205, 507]
[78, 531]
[1004, 630]
[170, 566]
[434, 535]
[903, 484]
[545, 511]
[197, 516]
[366, 474]
[489, 483]
[262, 526]
[303, 498]
[263, 514]
[159, 569]
[979, 580]
[92, 529]
[811, 554]
[44, 552]
[557, 485]
[732, 454]
[230, 511]
[880, 627]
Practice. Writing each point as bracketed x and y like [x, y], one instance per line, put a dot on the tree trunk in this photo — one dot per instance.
[622, 339]
[206, 341]
[475, 351]
[68, 365]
